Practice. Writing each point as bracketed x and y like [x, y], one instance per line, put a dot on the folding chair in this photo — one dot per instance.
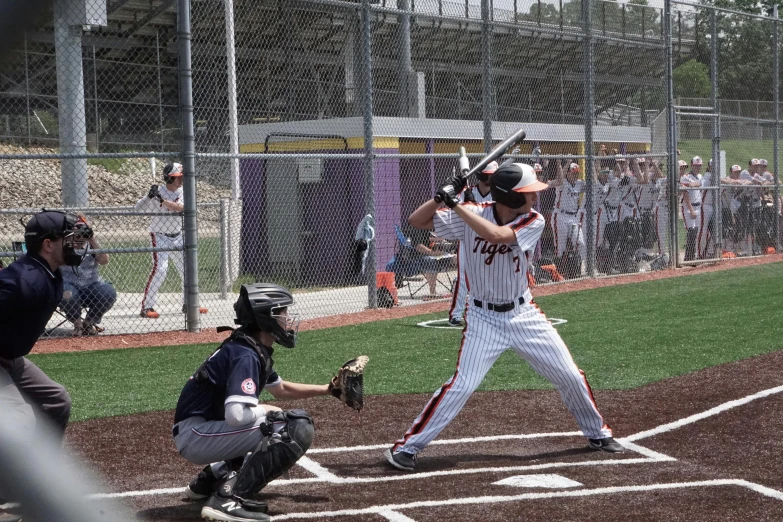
[409, 265]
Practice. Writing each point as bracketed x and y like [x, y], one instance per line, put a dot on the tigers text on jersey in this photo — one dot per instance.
[163, 224]
[568, 196]
[495, 273]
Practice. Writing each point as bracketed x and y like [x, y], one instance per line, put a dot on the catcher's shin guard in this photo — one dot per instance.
[278, 451]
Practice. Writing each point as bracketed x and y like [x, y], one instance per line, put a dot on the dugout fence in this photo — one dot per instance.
[310, 129]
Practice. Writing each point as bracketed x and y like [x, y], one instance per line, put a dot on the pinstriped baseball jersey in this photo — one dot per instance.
[495, 273]
[477, 196]
[568, 196]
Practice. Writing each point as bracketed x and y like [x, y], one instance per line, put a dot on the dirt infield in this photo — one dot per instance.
[723, 465]
[105, 342]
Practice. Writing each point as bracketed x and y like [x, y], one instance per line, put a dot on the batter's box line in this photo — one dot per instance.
[393, 508]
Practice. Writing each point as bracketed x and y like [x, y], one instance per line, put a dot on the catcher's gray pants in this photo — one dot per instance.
[26, 391]
[204, 442]
[488, 334]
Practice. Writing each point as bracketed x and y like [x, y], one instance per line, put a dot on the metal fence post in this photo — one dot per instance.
[225, 259]
[589, 86]
[671, 137]
[486, 62]
[775, 133]
[231, 65]
[369, 174]
[188, 164]
[717, 223]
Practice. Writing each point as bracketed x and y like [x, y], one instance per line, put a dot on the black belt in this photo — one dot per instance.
[695, 204]
[629, 205]
[170, 235]
[569, 213]
[175, 431]
[610, 207]
[504, 307]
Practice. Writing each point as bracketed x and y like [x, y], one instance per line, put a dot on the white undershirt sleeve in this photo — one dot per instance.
[239, 414]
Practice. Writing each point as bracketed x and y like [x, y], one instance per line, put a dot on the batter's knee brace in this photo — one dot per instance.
[287, 436]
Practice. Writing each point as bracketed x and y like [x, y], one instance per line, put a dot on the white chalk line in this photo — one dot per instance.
[769, 492]
[393, 516]
[703, 415]
[651, 455]
[320, 472]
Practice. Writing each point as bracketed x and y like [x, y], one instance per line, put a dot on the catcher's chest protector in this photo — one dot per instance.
[287, 436]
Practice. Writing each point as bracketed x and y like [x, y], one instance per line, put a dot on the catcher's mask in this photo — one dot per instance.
[264, 306]
[171, 171]
[509, 184]
[52, 225]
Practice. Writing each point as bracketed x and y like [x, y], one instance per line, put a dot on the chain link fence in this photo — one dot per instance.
[309, 130]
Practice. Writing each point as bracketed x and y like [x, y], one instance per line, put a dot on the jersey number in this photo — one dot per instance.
[516, 260]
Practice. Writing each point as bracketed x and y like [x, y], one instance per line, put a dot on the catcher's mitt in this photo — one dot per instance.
[348, 384]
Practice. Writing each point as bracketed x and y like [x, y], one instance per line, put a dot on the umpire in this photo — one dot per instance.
[30, 290]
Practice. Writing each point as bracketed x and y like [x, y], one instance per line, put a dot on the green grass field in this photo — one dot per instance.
[129, 272]
[623, 337]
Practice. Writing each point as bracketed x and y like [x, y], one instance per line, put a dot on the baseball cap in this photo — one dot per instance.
[173, 170]
[681, 164]
[763, 162]
[640, 160]
[573, 167]
[48, 224]
[697, 161]
[620, 159]
[736, 168]
[754, 162]
[538, 168]
[491, 167]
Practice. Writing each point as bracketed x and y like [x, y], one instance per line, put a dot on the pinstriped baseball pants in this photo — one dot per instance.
[488, 334]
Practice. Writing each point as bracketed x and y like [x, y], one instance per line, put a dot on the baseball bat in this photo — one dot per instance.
[497, 152]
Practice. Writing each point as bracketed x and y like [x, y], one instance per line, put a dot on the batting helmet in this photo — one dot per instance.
[171, 171]
[488, 170]
[509, 184]
[259, 306]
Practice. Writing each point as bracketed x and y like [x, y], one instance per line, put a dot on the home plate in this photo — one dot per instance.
[538, 481]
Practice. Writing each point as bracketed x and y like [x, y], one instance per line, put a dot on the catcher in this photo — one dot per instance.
[219, 421]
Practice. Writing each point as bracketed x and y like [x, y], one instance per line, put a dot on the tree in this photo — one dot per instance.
[691, 80]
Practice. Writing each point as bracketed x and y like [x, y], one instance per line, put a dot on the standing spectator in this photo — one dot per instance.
[647, 198]
[629, 176]
[734, 223]
[752, 204]
[691, 206]
[84, 287]
[165, 232]
[546, 172]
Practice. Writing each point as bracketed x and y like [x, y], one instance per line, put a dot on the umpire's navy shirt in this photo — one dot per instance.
[235, 372]
[29, 294]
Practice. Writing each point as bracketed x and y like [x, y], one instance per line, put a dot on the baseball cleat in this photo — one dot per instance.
[149, 313]
[201, 309]
[608, 445]
[203, 485]
[402, 460]
[457, 323]
[223, 509]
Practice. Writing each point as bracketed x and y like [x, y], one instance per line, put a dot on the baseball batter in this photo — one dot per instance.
[165, 232]
[499, 239]
[478, 193]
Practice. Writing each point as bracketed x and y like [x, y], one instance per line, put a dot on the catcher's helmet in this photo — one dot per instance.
[509, 184]
[171, 171]
[258, 308]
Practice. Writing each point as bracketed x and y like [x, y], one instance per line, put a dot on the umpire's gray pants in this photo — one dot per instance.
[203, 442]
[26, 391]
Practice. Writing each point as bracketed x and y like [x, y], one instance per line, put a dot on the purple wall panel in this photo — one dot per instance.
[254, 241]
[387, 207]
